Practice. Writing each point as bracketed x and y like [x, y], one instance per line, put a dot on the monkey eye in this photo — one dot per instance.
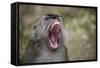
[51, 17]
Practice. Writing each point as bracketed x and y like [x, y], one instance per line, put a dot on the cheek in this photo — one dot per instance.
[45, 34]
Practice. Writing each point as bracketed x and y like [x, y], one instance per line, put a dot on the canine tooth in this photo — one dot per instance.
[53, 46]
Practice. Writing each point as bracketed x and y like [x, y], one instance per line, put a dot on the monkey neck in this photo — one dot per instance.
[46, 55]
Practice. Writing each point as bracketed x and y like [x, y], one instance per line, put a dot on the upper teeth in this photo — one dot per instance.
[53, 25]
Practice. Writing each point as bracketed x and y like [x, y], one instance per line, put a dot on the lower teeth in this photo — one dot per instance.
[53, 45]
[52, 38]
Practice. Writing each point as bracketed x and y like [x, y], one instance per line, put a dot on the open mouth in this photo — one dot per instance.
[54, 34]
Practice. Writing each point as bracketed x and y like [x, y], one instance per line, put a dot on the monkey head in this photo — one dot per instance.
[49, 27]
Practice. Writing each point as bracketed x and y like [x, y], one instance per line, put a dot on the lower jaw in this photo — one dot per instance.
[53, 45]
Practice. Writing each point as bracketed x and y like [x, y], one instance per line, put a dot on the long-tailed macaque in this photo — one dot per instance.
[47, 41]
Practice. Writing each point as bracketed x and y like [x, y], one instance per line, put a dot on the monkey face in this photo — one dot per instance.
[49, 28]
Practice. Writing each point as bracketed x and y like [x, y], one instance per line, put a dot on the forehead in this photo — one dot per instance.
[52, 15]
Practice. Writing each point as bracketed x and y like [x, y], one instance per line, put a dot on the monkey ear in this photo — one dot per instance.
[34, 27]
[38, 22]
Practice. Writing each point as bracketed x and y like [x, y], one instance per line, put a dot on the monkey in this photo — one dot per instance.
[47, 41]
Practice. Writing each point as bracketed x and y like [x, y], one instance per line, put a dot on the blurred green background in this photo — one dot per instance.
[80, 24]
